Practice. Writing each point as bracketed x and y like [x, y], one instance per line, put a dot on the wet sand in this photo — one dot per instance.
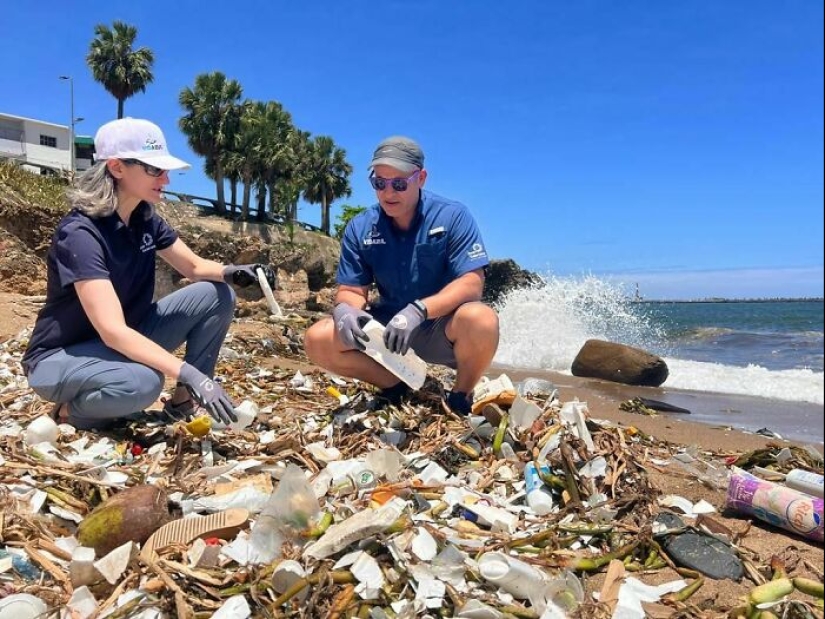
[712, 414]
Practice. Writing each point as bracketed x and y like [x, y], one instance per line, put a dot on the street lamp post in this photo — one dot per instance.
[71, 124]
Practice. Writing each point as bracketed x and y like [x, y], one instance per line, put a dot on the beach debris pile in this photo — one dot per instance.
[318, 503]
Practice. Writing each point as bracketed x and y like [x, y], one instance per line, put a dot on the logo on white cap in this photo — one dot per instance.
[135, 138]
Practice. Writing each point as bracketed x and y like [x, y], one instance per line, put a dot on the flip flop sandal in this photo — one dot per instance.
[222, 524]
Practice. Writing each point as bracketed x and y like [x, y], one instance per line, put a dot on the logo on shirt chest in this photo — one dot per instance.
[374, 238]
[147, 243]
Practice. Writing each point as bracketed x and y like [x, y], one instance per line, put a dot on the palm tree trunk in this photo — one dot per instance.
[120, 108]
[219, 185]
[247, 195]
[233, 193]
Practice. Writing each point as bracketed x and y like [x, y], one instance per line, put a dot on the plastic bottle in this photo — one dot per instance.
[538, 497]
[806, 481]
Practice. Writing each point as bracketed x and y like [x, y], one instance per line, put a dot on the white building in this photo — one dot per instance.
[41, 147]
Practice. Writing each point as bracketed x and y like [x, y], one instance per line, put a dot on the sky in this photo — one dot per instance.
[674, 145]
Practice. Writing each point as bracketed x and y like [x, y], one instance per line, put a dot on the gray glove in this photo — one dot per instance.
[400, 330]
[209, 394]
[244, 275]
[348, 322]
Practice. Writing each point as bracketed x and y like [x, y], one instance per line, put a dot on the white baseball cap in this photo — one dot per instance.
[135, 138]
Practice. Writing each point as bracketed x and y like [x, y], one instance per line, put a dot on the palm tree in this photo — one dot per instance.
[123, 71]
[211, 122]
[327, 176]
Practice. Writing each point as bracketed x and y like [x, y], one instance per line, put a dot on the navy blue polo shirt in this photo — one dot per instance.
[84, 248]
[442, 244]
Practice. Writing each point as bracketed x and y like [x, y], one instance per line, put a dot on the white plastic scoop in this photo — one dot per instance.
[274, 308]
[410, 368]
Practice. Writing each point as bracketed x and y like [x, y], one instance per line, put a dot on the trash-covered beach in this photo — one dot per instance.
[321, 504]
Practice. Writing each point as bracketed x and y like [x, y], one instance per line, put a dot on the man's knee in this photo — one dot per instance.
[476, 320]
[318, 340]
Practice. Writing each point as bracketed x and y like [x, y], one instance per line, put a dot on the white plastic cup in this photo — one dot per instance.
[519, 579]
[22, 606]
[41, 430]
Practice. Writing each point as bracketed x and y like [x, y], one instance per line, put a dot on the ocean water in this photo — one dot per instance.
[764, 349]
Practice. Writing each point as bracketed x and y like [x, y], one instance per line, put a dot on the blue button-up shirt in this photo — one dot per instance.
[84, 248]
[442, 243]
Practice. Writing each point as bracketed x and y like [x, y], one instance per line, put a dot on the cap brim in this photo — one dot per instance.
[164, 162]
[401, 166]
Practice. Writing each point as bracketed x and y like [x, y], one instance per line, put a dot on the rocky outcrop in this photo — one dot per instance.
[503, 276]
[619, 363]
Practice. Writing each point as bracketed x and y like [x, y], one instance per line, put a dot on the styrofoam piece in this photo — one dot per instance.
[235, 607]
[274, 308]
[410, 368]
[112, 566]
[22, 606]
[424, 545]
[369, 575]
[41, 430]
[475, 609]
[523, 413]
[82, 605]
[246, 412]
[355, 528]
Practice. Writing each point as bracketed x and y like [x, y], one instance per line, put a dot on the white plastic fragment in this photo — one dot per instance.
[286, 574]
[322, 453]
[82, 605]
[355, 528]
[633, 592]
[369, 575]
[424, 545]
[475, 609]
[523, 413]
[235, 607]
[430, 591]
[112, 566]
[572, 415]
[433, 475]
[203, 555]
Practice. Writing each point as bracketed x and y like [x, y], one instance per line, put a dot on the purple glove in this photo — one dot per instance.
[244, 275]
[208, 394]
[399, 332]
[348, 322]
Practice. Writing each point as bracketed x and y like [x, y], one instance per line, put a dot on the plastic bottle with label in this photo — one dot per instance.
[806, 481]
[538, 496]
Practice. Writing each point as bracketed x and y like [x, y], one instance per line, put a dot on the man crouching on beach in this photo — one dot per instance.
[425, 255]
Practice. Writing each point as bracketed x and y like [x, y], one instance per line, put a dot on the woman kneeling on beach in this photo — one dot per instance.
[101, 347]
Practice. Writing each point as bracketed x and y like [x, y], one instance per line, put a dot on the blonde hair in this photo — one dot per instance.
[94, 192]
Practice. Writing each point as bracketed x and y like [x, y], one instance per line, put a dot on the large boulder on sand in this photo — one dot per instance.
[619, 363]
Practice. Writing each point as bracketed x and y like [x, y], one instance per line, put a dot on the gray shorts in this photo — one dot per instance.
[430, 339]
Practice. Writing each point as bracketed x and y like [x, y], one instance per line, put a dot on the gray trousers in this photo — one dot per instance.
[101, 385]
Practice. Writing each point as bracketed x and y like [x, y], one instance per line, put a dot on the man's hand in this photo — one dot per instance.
[244, 275]
[208, 394]
[346, 318]
[400, 330]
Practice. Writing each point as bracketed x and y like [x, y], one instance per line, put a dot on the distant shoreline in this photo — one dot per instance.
[774, 300]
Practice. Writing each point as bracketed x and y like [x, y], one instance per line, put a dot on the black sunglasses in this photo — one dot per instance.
[149, 169]
[398, 184]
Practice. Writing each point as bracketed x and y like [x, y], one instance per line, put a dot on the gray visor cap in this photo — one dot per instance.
[400, 153]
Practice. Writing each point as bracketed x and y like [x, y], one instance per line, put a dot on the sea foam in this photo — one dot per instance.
[545, 326]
